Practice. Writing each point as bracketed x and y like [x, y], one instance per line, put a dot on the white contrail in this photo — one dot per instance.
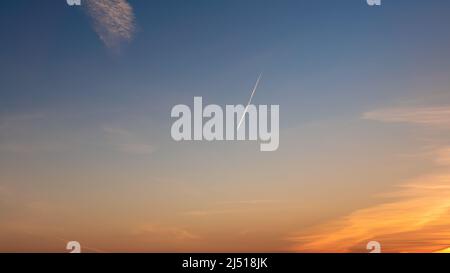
[250, 100]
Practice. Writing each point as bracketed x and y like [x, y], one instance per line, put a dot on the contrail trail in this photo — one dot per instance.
[250, 100]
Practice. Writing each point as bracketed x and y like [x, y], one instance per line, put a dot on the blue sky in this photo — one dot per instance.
[321, 52]
[85, 124]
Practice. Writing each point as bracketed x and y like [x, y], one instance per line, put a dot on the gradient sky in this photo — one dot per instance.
[85, 146]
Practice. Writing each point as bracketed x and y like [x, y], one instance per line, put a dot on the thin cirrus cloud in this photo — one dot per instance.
[235, 207]
[443, 156]
[127, 141]
[430, 116]
[114, 21]
[416, 219]
[413, 218]
[156, 232]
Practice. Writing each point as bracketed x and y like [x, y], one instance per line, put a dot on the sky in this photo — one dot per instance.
[86, 152]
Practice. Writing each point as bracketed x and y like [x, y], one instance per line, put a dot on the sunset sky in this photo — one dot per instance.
[86, 152]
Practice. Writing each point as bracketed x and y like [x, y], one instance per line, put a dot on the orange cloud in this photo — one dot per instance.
[447, 250]
[418, 221]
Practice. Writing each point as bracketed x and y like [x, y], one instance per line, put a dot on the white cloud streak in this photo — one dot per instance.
[427, 116]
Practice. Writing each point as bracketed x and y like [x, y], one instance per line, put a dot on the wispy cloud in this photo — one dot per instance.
[431, 116]
[8, 122]
[417, 219]
[443, 156]
[19, 133]
[114, 20]
[213, 212]
[413, 218]
[252, 202]
[128, 142]
[164, 233]
[234, 207]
